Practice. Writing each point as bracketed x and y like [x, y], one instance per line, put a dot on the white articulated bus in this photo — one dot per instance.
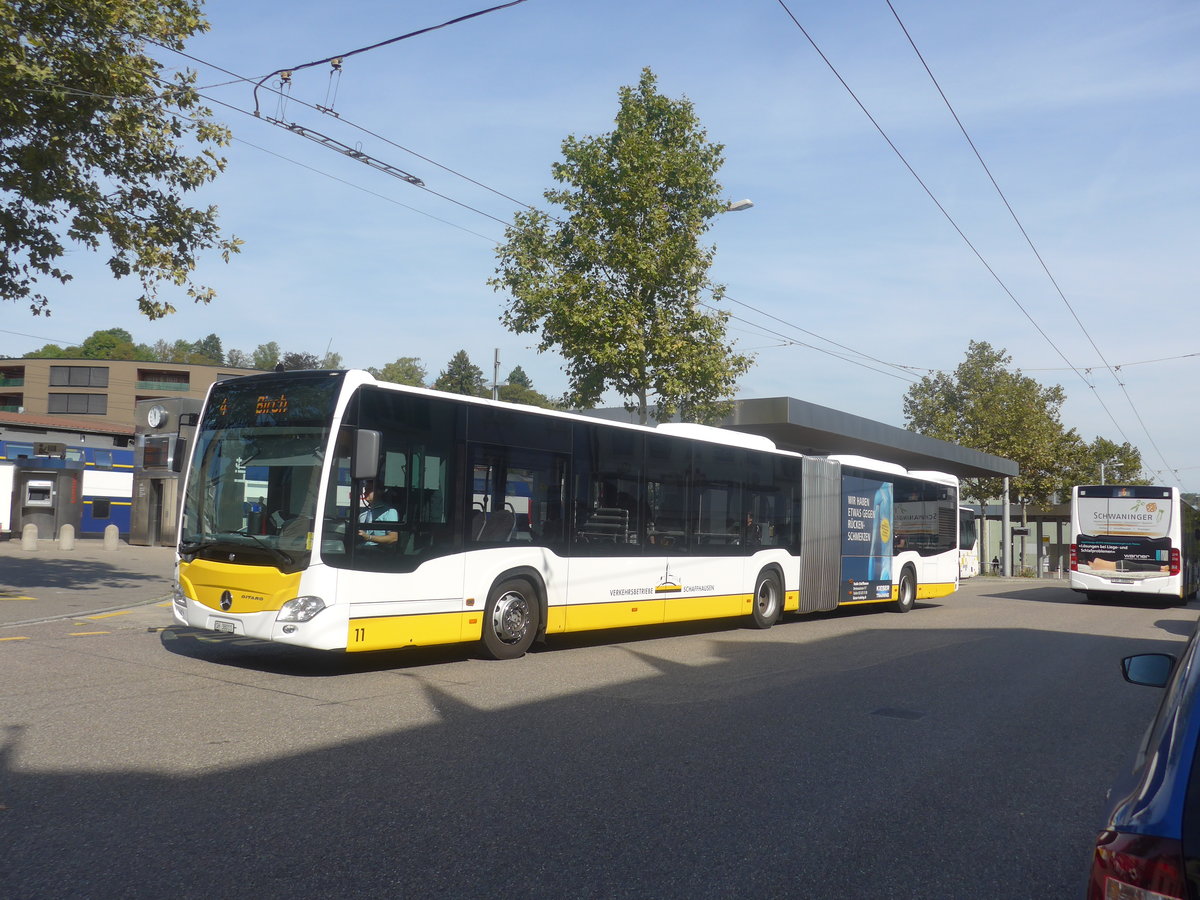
[1133, 539]
[509, 523]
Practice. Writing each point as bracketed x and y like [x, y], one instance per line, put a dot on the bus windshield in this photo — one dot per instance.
[256, 470]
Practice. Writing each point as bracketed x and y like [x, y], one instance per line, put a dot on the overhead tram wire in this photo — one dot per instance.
[402, 37]
[855, 359]
[1028, 240]
[908, 370]
[945, 213]
[348, 122]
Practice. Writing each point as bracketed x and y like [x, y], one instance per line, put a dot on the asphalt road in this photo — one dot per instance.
[962, 750]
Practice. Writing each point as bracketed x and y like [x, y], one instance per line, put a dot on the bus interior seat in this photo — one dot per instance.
[498, 527]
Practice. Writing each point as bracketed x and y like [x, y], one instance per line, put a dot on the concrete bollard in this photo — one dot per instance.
[66, 537]
[29, 537]
[112, 537]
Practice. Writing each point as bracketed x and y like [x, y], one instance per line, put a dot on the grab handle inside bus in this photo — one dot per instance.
[366, 453]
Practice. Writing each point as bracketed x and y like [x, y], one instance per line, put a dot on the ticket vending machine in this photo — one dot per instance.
[158, 453]
[47, 493]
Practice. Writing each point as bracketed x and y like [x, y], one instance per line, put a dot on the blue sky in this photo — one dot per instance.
[1086, 114]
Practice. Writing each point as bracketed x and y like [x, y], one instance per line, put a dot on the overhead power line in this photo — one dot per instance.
[1028, 240]
[402, 37]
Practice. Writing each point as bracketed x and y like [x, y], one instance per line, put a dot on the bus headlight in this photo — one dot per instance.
[178, 597]
[300, 609]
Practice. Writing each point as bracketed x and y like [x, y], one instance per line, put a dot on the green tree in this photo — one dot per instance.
[461, 376]
[518, 378]
[986, 406]
[297, 360]
[209, 350]
[92, 140]
[266, 356]
[615, 281]
[518, 388]
[114, 343]
[405, 370]
[239, 359]
[1117, 463]
[53, 351]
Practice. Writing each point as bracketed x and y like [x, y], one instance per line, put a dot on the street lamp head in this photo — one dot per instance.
[738, 205]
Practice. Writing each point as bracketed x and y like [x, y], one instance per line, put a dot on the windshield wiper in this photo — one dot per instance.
[193, 547]
[274, 551]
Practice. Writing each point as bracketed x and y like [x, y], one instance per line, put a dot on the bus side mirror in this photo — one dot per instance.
[366, 454]
[179, 454]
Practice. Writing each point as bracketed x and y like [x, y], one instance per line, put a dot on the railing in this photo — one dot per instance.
[161, 385]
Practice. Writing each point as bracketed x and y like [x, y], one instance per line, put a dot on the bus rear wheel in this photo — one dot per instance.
[510, 620]
[768, 601]
[906, 592]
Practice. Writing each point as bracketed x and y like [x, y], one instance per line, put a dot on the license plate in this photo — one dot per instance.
[1122, 581]
[226, 627]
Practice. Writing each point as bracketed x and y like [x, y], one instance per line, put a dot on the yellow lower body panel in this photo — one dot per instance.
[589, 616]
[945, 589]
[390, 632]
[687, 609]
[791, 601]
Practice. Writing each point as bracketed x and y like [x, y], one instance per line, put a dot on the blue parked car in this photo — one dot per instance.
[1150, 848]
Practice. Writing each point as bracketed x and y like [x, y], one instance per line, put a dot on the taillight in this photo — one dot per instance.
[1176, 566]
[1074, 557]
[1136, 867]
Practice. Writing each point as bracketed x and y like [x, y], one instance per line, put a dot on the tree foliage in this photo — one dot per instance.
[296, 359]
[615, 281]
[989, 407]
[266, 356]
[405, 370]
[461, 376]
[92, 141]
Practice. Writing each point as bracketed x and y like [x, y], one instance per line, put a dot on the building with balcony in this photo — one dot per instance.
[103, 391]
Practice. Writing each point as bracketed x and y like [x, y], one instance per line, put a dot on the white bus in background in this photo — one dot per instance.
[968, 543]
[1133, 540]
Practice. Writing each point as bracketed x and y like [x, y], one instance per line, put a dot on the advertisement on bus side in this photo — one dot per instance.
[866, 539]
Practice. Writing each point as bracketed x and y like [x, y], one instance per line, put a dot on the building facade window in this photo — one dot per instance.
[162, 380]
[77, 404]
[79, 376]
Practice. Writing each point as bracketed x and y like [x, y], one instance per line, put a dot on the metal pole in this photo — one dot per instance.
[1005, 534]
[496, 376]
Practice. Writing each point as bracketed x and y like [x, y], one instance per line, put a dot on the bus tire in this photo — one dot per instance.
[906, 592]
[510, 619]
[768, 600]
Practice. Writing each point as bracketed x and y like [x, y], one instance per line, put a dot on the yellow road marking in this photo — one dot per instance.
[14, 639]
[123, 612]
[5, 595]
[86, 633]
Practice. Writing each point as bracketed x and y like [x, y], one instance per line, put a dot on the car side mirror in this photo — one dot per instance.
[1150, 669]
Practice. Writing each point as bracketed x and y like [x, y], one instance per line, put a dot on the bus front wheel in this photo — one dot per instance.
[906, 592]
[768, 601]
[510, 620]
